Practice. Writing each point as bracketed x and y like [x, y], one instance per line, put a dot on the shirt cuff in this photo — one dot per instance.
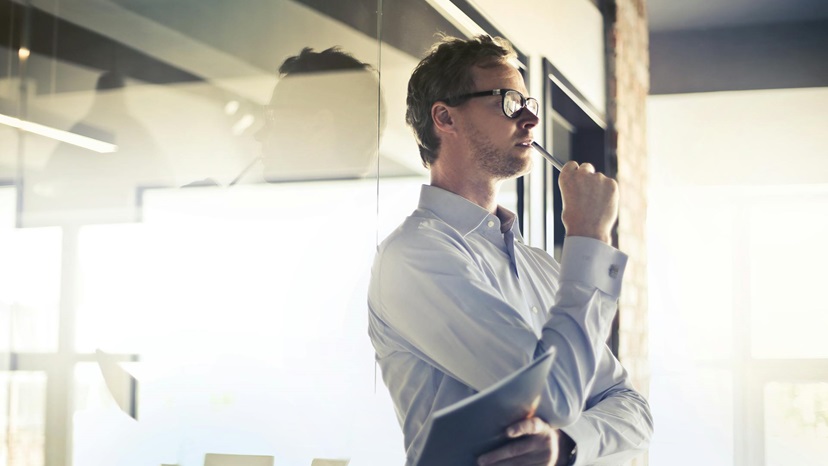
[586, 438]
[594, 262]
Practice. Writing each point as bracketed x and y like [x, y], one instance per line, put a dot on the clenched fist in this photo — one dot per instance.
[590, 202]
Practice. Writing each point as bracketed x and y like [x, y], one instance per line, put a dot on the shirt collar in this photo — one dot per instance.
[462, 214]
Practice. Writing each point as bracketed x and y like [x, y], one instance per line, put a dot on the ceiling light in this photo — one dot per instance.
[59, 135]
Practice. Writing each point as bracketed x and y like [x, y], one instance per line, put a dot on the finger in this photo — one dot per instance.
[613, 185]
[515, 449]
[587, 167]
[570, 166]
[531, 426]
[535, 458]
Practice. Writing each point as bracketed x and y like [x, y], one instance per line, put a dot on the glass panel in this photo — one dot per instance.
[786, 270]
[22, 418]
[103, 434]
[226, 209]
[8, 200]
[177, 99]
[796, 423]
[693, 409]
[29, 288]
[225, 204]
[9, 96]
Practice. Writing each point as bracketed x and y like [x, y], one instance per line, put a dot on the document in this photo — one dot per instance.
[465, 430]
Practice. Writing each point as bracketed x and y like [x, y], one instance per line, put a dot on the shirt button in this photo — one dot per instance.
[535, 309]
[491, 223]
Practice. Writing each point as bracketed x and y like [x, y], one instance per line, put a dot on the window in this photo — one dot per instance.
[738, 362]
[574, 130]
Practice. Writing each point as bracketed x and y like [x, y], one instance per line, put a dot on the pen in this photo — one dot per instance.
[556, 162]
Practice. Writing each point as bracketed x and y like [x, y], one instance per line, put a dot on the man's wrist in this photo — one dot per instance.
[606, 238]
[566, 450]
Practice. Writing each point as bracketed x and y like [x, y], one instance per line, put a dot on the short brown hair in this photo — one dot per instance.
[446, 72]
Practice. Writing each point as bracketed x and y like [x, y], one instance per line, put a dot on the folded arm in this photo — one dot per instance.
[439, 298]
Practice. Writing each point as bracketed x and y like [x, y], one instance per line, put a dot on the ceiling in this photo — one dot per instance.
[677, 15]
[736, 45]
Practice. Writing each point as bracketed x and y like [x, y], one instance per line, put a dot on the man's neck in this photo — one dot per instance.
[481, 192]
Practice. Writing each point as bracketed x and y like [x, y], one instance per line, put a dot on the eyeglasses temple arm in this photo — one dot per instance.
[556, 162]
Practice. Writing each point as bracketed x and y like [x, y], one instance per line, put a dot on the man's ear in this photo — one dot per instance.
[442, 116]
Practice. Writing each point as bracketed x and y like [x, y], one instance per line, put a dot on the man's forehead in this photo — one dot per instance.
[498, 77]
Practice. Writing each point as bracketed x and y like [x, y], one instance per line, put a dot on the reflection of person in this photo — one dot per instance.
[458, 301]
[78, 184]
[322, 120]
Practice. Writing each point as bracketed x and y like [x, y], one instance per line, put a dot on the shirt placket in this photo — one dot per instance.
[534, 315]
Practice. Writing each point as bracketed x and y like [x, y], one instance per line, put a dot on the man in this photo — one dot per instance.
[457, 301]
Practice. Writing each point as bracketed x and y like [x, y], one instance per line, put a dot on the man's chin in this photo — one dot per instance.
[513, 171]
[522, 166]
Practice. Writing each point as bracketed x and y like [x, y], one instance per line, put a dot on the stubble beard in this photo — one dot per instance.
[498, 164]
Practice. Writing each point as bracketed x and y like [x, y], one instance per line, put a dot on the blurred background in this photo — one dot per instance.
[191, 194]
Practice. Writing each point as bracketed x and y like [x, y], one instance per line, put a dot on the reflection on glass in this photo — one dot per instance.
[22, 418]
[796, 423]
[79, 184]
[245, 301]
[321, 121]
[785, 270]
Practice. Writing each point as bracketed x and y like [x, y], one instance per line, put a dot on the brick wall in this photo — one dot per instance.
[628, 63]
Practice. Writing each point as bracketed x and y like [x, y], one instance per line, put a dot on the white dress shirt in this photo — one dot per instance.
[457, 302]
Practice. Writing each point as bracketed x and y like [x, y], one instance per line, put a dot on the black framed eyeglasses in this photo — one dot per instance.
[512, 101]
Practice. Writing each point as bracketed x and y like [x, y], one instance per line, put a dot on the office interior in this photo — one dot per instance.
[184, 257]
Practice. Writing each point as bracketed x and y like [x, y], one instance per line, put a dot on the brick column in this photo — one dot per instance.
[629, 81]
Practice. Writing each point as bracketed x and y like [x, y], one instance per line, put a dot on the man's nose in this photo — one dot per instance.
[527, 119]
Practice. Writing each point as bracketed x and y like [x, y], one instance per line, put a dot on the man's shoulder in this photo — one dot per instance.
[421, 232]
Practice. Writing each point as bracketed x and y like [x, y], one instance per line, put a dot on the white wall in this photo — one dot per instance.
[738, 213]
[739, 138]
[569, 33]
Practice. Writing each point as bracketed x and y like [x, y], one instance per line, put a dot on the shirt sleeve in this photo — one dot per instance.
[437, 296]
[617, 424]
[580, 321]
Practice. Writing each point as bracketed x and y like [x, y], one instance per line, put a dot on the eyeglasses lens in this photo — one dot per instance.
[532, 105]
[513, 103]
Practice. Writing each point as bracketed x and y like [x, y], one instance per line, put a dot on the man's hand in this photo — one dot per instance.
[535, 444]
[590, 202]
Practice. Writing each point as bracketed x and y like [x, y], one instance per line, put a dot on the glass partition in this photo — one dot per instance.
[191, 195]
